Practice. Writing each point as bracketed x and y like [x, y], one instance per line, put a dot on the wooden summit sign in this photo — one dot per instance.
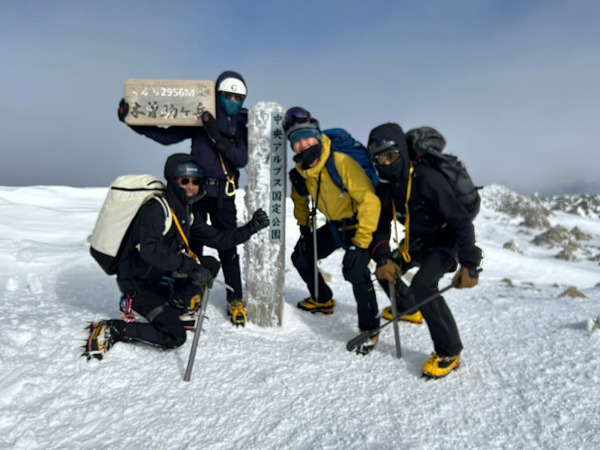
[168, 102]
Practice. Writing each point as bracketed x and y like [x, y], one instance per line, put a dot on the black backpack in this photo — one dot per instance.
[425, 146]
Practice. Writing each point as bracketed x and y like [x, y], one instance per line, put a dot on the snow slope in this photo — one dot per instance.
[529, 377]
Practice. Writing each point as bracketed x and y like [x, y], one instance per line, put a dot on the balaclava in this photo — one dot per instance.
[391, 132]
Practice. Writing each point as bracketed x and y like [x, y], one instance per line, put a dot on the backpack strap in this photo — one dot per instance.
[167, 210]
[334, 174]
[298, 182]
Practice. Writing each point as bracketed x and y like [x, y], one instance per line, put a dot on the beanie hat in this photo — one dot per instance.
[297, 119]
[304, 133]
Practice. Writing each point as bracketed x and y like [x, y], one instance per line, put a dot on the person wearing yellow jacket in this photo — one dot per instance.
[352, 216]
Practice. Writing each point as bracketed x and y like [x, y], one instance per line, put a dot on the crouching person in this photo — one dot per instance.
[351, 219]
[158, 273]
[438, 232]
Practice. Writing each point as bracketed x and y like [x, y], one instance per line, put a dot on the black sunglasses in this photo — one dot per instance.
[234, 96]
[185, 181]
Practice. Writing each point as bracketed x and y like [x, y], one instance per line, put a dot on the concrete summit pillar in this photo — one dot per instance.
[264, 253]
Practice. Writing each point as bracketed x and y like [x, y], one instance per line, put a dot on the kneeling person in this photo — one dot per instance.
[158, 273]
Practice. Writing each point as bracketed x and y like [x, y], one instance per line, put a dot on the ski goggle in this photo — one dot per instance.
[381, 147]
[233, 96]
[389, 157]
[186, 181]
[296, 115]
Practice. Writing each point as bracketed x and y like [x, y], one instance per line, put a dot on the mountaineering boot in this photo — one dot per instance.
[188, 320]
[99, 340]
[190, 315]
[308, 304]
[236, 310]
[415, 317]
[439, 366]
[368, 346]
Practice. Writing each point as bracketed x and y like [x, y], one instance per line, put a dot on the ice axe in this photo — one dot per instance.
[198, 328]
[395, 318]
[197, 332]
[363, 337]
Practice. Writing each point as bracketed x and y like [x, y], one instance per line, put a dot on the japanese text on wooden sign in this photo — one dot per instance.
[168, 102]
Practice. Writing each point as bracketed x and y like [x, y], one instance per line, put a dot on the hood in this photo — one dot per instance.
[223, 120]
[393, 132]
[176, 195]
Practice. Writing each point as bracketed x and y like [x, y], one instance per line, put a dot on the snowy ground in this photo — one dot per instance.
[529, 377]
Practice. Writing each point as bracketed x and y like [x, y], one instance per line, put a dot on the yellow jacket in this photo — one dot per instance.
[358, 201]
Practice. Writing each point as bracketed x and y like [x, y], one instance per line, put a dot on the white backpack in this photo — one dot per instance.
[125, 197]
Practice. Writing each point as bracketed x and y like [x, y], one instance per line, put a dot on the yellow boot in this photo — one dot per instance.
[237, 313]
[415, 317]
[308, 304]
[440, 366]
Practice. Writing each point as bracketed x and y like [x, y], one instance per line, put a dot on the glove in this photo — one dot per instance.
[123, 110]
[305, 231]
[389, 271]
[259, 220]
[222, 144]
[467, 278]
[355, 256]
[202, 276]
[305, 237]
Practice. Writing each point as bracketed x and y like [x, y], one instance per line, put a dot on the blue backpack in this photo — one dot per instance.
[343, 142]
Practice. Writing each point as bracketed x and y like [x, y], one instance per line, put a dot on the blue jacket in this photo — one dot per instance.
[234, 127]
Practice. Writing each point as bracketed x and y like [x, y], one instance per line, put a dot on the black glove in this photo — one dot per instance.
[305, 231]
[305, 238]
[356, 256]
[259, 220]
[202, 276]
[222, 144]
[123, 110]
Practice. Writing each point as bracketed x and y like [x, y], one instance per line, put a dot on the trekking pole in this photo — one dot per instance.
[315, 261]
[313, 213]
[395, 319]
[197, 332]
[361, 338]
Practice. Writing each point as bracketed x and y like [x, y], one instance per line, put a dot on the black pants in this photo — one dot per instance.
[433, 264]
[359, 276]
[155, 303]
[224, 218]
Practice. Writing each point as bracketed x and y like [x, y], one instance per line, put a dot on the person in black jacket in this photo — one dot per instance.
[220, 147]
[158, 274]
[437, 232]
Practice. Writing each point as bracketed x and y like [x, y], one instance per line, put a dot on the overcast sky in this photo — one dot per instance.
[514, 86]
